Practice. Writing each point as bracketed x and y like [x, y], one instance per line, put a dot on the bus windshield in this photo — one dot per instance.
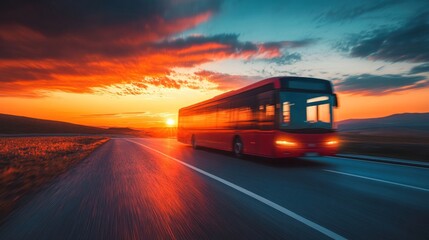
[300, 110]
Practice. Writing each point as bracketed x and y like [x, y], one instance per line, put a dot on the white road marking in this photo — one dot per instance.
[279, 208]
[377, 180]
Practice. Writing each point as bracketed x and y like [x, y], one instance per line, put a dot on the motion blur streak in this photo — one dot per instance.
[291, 214]
[125, 192]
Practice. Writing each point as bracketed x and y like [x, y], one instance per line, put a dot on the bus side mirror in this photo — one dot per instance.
[335, 100]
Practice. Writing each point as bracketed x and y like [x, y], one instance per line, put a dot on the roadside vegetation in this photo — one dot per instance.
[27, 163]
[404, 146]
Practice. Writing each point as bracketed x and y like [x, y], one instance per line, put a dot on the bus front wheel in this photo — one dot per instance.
[238, 147]
[194, 142]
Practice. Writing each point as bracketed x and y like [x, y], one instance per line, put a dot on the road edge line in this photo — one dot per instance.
[377, 180]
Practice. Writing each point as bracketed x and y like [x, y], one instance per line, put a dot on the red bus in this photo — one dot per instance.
[277, 117]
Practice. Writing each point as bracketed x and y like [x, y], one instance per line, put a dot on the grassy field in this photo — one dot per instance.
[413, 147]
[26, 163]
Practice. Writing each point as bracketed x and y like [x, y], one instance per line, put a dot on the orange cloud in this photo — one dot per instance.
[102, 50]
[150, 65]
[227, 81]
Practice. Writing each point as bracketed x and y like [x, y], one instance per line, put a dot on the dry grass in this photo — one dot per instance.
[26, 163]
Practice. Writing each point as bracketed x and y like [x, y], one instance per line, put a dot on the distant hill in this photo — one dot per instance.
[405, 123]
[11, 124]
[398, 123]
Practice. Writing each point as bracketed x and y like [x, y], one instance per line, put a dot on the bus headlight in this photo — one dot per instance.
[332, 142]
[285, 143]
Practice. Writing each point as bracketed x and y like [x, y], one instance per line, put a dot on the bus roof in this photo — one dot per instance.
[278, 82]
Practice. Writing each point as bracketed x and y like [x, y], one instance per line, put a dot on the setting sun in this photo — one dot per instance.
[170, 122]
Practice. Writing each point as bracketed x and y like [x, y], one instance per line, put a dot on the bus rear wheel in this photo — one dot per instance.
[237, 147]
[194, 142]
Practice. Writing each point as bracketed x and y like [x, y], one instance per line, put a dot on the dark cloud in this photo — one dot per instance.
[77, 29]
[423, 68]
[231, 44]
[229, 40]
[292, 44]
[367, 84]
[286, 59]
[54, 18]
[346, 13]
[183, 8]
[278, 51]
[409, 42]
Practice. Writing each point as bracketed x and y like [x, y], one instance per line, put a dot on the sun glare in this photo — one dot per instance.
[169, 122]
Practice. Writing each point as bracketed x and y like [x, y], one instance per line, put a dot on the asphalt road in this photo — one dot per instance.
[160, 189]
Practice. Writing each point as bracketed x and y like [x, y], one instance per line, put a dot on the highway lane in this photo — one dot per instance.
[158, 188]
[351, 206]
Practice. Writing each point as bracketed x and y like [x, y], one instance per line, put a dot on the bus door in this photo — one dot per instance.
[266, 116]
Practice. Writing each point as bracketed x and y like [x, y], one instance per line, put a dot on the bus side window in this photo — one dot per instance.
[266, 116]
[266, 110]
[269, 112]
[223, 116]
[286, 113]
[245, 118]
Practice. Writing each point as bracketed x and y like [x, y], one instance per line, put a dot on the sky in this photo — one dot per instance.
[135, 63]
